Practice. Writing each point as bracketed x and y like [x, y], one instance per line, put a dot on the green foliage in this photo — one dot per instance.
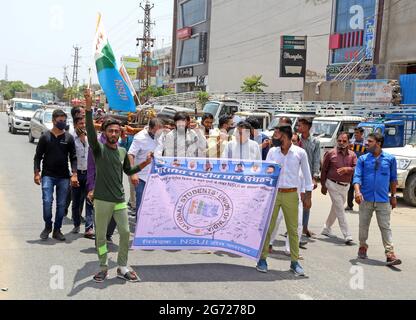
[203, 97]
[155, 92]
[253, 84]
[9, 88]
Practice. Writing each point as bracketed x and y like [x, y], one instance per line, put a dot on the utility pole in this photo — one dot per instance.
[75, 67]
[6, 74]
[147, 44]
[65, 77]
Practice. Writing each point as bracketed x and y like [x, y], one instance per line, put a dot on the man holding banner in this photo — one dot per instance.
[292, 160]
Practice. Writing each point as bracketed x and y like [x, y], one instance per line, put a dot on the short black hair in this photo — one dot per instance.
[285, 120]
[207, 116]
[78, 119]
[181, 116]
[254, 122]
[224, 119]
[59, 113]
[307, 121]
[286, 130]
[378, 137]
[360, 129]
[109, 122]
[244, 125]
[155, 122]
[75, 111]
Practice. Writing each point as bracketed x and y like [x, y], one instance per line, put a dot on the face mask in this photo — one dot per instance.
[61, 125]
[276, 142]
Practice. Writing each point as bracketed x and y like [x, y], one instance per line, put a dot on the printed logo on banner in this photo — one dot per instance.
[203, 211]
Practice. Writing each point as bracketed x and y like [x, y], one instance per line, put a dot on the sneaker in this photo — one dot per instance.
[348, 241]
[130, 276]
[303, 242]
[270, 248]
[45, 234]
[89, 234]
[100, 276]
[75, 230]
[392, 260]
[327, 232]
[262, 266]
[297, 269]
[349, 209]
[362, 253]
[57, 235]
[110, 239]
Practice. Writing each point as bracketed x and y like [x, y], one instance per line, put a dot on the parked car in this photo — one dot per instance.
[42, 122]
[20, 114]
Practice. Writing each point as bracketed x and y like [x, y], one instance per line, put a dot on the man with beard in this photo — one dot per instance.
[375, 175]
[336, 174]
[109, 198]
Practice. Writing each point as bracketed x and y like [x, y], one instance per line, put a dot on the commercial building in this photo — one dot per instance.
[245, 40]
[191, 29]
[162, 58]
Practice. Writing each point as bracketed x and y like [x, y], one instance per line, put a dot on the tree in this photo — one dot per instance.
[203, 98]
[9, 88]
[153, 91]
[54, 86]
[253, 84]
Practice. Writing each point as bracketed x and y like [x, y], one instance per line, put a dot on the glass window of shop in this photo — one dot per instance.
[193, 12]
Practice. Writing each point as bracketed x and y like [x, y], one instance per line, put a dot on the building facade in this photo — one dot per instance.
[245, 40]
[190, 44]
[162, 58]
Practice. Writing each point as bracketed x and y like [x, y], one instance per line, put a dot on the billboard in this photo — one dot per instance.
[131, 64]
[354, 30]
[293, 57]
[373, 92]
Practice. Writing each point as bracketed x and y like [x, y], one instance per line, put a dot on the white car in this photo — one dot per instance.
[406, 169]
[42, 122]
[20, 114]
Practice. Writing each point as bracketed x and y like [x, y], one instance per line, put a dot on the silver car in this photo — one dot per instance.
[42, 122]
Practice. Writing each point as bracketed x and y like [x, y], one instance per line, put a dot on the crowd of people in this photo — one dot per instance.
[353, 169]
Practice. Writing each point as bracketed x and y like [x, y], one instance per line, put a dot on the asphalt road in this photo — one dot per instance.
[32, 269]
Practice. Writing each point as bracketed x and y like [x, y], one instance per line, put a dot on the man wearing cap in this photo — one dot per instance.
[293, 160]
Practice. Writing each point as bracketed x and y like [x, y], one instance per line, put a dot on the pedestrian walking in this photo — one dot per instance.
[293, 160]
[313, 149]
[376, 175]
[109, 199]
[357, 145]
[336, 174]
[54, 149]
[261, 138]
[79, 194]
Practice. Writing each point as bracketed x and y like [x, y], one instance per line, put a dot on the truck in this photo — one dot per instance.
[397, 128]
[220, 108]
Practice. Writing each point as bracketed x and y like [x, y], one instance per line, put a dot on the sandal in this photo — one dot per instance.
[129, 276]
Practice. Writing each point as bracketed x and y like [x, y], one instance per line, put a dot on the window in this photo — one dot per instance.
[190, 52]
[193, 12]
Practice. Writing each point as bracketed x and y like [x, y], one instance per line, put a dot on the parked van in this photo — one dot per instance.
[21, 112]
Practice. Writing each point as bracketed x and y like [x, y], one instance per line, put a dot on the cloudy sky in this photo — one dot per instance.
[37, 37]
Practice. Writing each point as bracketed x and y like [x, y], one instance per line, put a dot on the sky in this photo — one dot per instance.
[37, 37]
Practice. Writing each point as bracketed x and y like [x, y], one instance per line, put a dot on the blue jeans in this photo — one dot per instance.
[139, 193]
[48, 185]
[306, 213]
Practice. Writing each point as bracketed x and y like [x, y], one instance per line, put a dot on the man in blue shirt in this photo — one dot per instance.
[375, 174]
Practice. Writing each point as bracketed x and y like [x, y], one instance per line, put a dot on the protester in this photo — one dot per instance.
[125, 142]
[79, 194]
[207, 122]
[302, 244]
[144, 142]
[275, 142]
[220, 136]
[293, 161]
[109, 200]
[375, 175]
[54, 149]
[357, 144]
[261, 138]
[242, 148]
[336, 174]
[183, 141]
[313, 149]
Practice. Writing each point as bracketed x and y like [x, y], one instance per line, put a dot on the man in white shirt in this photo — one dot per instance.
[293, 160]
[242, 148]
[183, 141]
[144, 142]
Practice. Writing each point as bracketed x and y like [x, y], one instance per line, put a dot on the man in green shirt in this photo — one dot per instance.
[109, 200]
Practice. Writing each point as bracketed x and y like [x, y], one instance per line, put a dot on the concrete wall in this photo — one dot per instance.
[329, 91]
[398, 38]
[245, 40]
